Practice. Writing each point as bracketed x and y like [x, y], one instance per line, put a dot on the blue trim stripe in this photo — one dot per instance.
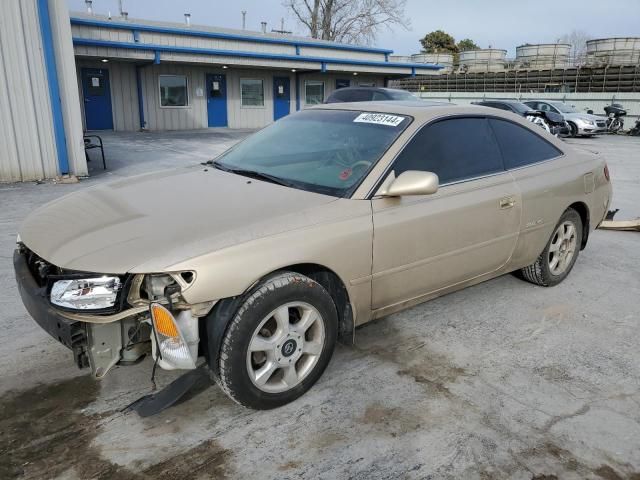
[223, 36]
[232, 53]
[54, 86]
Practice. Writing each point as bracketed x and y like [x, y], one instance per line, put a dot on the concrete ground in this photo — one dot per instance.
[501, 380]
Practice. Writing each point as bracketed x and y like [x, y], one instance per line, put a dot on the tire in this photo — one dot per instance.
[558, 257]
[269, 322]
[573, 130]
[616, 125]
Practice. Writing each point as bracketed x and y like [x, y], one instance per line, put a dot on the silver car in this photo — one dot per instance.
[580, 123]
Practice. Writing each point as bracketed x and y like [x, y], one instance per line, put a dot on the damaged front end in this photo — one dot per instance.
[109, 320]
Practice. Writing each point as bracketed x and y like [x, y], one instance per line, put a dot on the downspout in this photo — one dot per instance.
[54, 86]
[143, 123]
[297, 91]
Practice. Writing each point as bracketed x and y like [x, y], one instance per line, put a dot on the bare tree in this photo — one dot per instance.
[349, 21]
[578, 41]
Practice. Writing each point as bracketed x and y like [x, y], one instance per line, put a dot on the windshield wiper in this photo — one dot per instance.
[252, 174]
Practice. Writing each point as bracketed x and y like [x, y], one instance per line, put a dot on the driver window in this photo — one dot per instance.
[454, 149]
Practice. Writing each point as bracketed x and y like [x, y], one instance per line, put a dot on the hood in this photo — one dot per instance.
[163, 218]
[583, 116]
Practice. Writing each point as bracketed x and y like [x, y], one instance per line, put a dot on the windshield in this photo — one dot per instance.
[400, 95]
[564, 108]
[323, 151]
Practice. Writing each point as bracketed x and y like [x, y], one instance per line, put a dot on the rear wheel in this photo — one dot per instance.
[556, 261]
[278, 343]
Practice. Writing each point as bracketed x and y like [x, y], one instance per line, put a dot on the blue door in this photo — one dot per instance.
[97, 99]
[217, 100]
[281, 97]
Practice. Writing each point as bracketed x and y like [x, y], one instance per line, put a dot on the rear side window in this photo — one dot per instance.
[338, 96]
[521, 147]
[455, 149]
[501, 106]
[378, 96]
[360, 96]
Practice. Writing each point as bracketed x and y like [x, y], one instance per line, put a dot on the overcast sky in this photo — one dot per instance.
[499, 23]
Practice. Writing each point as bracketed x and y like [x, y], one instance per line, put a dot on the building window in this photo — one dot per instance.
[367, 84]
[313, 92]
[251, 92]
[173, 91]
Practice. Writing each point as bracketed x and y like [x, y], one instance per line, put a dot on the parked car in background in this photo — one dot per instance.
[329, 218]
[580, 123]
[552, 122]
[369, 94]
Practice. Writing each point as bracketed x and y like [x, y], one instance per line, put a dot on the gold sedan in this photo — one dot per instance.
[261, 260]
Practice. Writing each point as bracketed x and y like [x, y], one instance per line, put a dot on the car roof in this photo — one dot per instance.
[377, 89]
[421, 110]
[499, 100]
[543, 100]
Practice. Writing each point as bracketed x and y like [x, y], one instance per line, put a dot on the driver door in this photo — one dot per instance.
[467, 229]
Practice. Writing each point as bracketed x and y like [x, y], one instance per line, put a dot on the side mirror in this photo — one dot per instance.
[412, 182]
[590, 112]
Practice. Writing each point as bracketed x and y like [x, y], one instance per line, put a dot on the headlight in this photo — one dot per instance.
[87, 293]
[588, 122]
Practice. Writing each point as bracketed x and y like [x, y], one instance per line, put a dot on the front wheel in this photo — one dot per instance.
[557, 259]
[278, 343]
[573, 130]
[616, 125]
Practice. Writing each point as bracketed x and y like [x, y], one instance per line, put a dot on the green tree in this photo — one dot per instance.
[467, 44]
[438, 42]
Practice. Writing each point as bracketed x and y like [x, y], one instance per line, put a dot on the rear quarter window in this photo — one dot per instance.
[521, 147]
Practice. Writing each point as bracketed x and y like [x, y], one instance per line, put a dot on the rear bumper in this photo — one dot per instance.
[72, 335]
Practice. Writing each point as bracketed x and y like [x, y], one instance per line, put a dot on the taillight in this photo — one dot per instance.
[606, 172]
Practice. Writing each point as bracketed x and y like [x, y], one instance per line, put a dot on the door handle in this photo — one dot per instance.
[507, 202]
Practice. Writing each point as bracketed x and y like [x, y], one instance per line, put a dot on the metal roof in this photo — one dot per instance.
[295, 49]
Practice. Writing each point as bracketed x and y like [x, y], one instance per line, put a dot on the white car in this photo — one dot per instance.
[580, 123]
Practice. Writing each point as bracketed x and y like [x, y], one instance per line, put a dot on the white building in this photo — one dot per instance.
[61, 74]
[163, 76]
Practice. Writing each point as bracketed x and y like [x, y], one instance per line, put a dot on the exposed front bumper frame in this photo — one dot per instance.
[72, 334]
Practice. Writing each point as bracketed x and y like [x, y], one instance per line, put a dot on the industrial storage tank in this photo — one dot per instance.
[444, 59]
[613, 51]
[543, 56]
[484, 60]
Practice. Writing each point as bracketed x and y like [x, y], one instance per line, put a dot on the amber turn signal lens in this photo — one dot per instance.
[163, 320]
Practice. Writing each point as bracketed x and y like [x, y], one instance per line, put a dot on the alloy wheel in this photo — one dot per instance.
[562, 248]
[285, 347]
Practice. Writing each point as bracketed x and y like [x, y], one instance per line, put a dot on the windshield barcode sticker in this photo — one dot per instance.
[379, 119]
